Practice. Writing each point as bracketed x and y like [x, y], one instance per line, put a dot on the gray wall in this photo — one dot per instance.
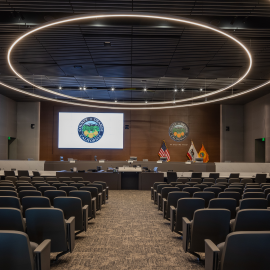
[232, 142]
[28, 139]
[257, 125]
[8, 124]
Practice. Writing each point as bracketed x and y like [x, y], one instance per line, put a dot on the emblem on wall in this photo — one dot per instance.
[178, 131]
[90, 129]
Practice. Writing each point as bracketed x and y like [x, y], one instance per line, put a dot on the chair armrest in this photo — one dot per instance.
[94, 207]
[99, 200]
[85, 217]
[71, 233]
[155, 196]
[186, 233]
[211, 255]
[159, 201]
[164, 207]
[152, 193]
[172, 217]
[42, 257]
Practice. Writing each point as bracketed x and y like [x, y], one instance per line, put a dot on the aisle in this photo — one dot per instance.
[128, 233]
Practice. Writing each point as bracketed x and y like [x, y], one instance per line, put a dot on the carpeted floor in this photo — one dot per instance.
[128, 233]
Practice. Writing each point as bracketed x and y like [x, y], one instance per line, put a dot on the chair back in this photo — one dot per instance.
[233, 189]
[165, 191]
[92, 190]
[21, 188]
[253, 203]
[61, 179]
[216, 190]
[214, 175]
[38, 178]
[98, 186]
[222, 203]
[72, 207]
[51, 194]
[181, 186]
[234, 175]
[230, 195]
[260, 178]
[246, 180]
[77, 179]
[196, 175]
[253, 190]
[51, 179]
[15, 251]
[8, 193]
[104, 184]
[67, 189]
[197, 180]
[201, 186]
[9, 173]
[221, 180]
[77, 185]
[11, 219]
[35, 202]
[183, 180]
[47, 223]
[25, 193]
[247, 195]
[234, 180]
[41, 184]
[85, 197]
[58, 185]
[223, 187]
[191, 190]
[159, 187]
[36, 173]
[209, 180]
[171, 177]
[246, 251]
[7, 188]
[42, 189]
[206, 195]
[10, 201]
[213, 224]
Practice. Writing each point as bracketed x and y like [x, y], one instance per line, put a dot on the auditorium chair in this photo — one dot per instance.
[87, 199]
[252, 203]
[240, 251]
[7, 188]
[192, 184]
[72, 207]
[201, 186]
[233, 180]
[264, 187]
[230, 189]
[105, 187]
[37, 185]
[214, 175]
[162, 197]
[67, 189]
[216, 190]
[266, 192]
[61, 179]
[77, 185]
[181, 186]
[35, 202]
[260, 178]
[246, 180]
[208, 184]
[9, 201]
[212, 224]
[196, 180]
[68, 182]
[21, 188]
[158, 190]
[84, 182]
[6, 183]
[183, 180]
[234, 175]
[173, 184]
[206, 195]
[100, 190]
[50, 223]
[223, 187]
[39, 182]
[237, 185]
[44, 188]
[251, 220]
[154, 188]
[36, 174]
[172, 199]
[171, 177]
[253, 195]
[25, 193]
[185, 208]
[58, 185]
[24, 178]
[9, 174]
[22, 183]
[222, 203]
[221, 180]
[53, 179]
[94, 194]
[51, 194]
[23, 173]
[18, 253]
[8, 193]
[196, 175]
[78, 179]
[38, 178]
[191, 190]
[253, 190]
[209, 180]
[11, 219]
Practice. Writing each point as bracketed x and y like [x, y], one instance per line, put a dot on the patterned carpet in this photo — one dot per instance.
[128, 233]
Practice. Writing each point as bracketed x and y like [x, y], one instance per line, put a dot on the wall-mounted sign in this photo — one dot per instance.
[178, 131]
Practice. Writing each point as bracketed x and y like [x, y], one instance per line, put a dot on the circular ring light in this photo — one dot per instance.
[133, 15]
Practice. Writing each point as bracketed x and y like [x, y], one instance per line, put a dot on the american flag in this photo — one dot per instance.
[164, 152]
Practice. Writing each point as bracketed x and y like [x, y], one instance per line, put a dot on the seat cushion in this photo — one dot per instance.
[232, 221]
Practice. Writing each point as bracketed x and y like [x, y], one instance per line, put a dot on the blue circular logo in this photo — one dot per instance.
[90, 129]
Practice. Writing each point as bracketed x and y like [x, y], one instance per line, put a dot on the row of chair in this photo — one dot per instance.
[205, 226]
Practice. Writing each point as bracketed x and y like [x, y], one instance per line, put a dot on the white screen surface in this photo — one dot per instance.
[90, 130]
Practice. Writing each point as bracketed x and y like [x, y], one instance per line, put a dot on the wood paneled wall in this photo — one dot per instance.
[144, 137]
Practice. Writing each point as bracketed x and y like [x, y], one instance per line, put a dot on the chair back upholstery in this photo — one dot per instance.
[11, 219]
[67, 189]
[247, 195]
[216, 190]
[10, 201]
[186, 208]
[77, 179]
[232, 195]
[77, 185]
[165, 191]
[214, 175]
[9, 173]
[223, 187]
[61, 179]
[201, 186]
[85, 197]
[8, 193]
[15, 251]
[47, 223]
[253, 190]
[197, 180]
[24, 193]
[191, 190]
[36, 173]
[234, 175]
[253, 203]
[196, 175]
[38, 178]
[159, 187]
[21, 188]
[213, 224]
[246, 180]
[92, 190]
[35, 202]
[7, 187]
[72, 207]
[104, 184]
[183, 180]
[23, 173]
[246, 251]
[181, 186]
[98, 186]
[223, 203]
[42, 189]
[209, 180]
[252, 220]
[221, 180]
[171, 177]
[260, 178]
[51, 194]
[206, 195]
[233, 189]
[234, 180]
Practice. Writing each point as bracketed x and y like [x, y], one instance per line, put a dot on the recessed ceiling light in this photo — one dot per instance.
[84, 88]
[146, 101]
[175, 90]
[201, 89]
[182, 89]
[112, 88]
[144, 89]
[80, 88]
[60, 87]
[115, 101]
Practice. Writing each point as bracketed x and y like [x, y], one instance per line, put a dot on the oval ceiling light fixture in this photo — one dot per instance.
[175, 90]
[127, 15]
[112, 89]
[144, 89]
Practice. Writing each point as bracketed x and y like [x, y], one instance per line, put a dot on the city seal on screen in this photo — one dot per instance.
[90, 129]
[178, 131]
